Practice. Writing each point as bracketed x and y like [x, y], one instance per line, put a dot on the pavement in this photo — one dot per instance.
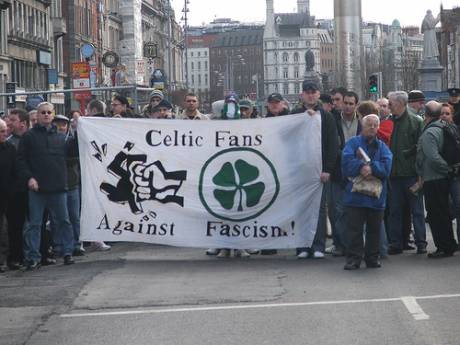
[149, 294]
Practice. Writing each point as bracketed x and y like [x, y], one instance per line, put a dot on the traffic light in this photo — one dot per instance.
[373, 84]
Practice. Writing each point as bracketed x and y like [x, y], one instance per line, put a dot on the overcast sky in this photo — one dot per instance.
[409, 12]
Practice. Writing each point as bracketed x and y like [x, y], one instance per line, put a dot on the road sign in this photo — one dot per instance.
[81, 80]
[10, 100]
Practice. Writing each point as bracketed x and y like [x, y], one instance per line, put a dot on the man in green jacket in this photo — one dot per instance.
[404, 181]
[433, 169]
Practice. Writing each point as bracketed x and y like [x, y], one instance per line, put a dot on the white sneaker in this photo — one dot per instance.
[242, 253]
[102, 246]
[224, 253]
[212, 251]
[82, 248]
[302, 255]
[318, 255]
[330, 250]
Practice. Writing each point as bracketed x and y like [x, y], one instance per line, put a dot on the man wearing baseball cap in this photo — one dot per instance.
[329, 150]
[276, 105]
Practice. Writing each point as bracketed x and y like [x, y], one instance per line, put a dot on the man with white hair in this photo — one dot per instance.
[404, 180]
[367, 158]
[41, 162]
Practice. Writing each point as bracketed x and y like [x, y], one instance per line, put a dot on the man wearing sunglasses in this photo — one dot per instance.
[41, 162]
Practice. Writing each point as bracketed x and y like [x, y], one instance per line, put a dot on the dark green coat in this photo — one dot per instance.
[407, 130]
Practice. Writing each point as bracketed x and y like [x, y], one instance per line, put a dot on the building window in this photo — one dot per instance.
[285, 73]
[296, 57]
[193, 79]
[296, 88]
[296, 73]
[199, 65]
[199, 54]
[206, 79]
[193, 65]
[199, 79]
[206, 65]
[285, 57]
[191, 54]
[285, 88]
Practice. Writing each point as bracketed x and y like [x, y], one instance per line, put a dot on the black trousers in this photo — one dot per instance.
[437, 206]
[16, 216]
[356, 218]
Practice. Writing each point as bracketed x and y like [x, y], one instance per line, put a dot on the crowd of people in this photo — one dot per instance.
[388, 168]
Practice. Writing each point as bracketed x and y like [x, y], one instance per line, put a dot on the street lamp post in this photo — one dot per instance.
[185, 10]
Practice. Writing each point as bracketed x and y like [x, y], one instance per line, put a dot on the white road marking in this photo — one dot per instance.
[414, 308]
[410, 303]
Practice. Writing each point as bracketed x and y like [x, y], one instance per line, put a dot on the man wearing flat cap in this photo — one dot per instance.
[454, 101]
[329, 151]
[416, 102]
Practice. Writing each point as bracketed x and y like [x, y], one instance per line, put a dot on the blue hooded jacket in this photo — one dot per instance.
[381, 159]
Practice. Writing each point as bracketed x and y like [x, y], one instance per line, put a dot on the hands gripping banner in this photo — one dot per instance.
[211, 184]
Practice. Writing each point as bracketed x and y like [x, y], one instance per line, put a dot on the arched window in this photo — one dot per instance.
[285, 57]
[296, 57]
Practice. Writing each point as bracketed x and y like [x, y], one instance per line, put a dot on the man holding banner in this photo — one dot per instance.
[329, 151]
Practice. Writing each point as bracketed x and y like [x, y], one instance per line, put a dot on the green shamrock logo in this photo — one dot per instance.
[237, 179]
[232, 189]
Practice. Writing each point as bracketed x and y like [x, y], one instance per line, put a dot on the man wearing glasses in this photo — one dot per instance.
[191, 111]
[41, 162]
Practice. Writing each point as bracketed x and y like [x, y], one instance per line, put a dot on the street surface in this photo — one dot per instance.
[145, 294]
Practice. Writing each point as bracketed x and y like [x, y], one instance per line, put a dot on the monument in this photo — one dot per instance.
[348, 41]
[430, 70]
[310, 74]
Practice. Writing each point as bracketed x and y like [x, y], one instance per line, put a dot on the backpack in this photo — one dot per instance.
[451, 149]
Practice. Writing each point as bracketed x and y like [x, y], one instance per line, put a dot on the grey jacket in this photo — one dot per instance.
[429, 163]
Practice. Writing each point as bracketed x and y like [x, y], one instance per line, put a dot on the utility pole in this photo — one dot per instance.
[185, 10]
[170, 77]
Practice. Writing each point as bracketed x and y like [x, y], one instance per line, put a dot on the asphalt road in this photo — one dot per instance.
[144, 294]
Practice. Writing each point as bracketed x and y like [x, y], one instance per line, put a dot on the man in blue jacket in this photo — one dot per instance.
[367, 157]
[42, 163]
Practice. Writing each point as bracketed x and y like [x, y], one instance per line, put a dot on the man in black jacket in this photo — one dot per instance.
[329, 150]
[42, 163]
[17, 201]
[7, 159]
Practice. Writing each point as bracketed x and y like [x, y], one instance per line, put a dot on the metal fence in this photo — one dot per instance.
[139, 96]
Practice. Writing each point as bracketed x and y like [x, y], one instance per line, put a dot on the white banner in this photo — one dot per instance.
[211, 184]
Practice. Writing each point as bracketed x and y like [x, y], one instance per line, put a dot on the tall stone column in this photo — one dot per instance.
[348, 41]
[131, 44]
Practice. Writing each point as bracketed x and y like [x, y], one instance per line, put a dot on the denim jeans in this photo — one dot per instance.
[56, 203]
[399, 193]
[336, 213]
[455, 195]
[73, 205]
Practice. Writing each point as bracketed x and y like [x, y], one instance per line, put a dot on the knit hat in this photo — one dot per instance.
[156, 93]
[416, 96]
[163, 104]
